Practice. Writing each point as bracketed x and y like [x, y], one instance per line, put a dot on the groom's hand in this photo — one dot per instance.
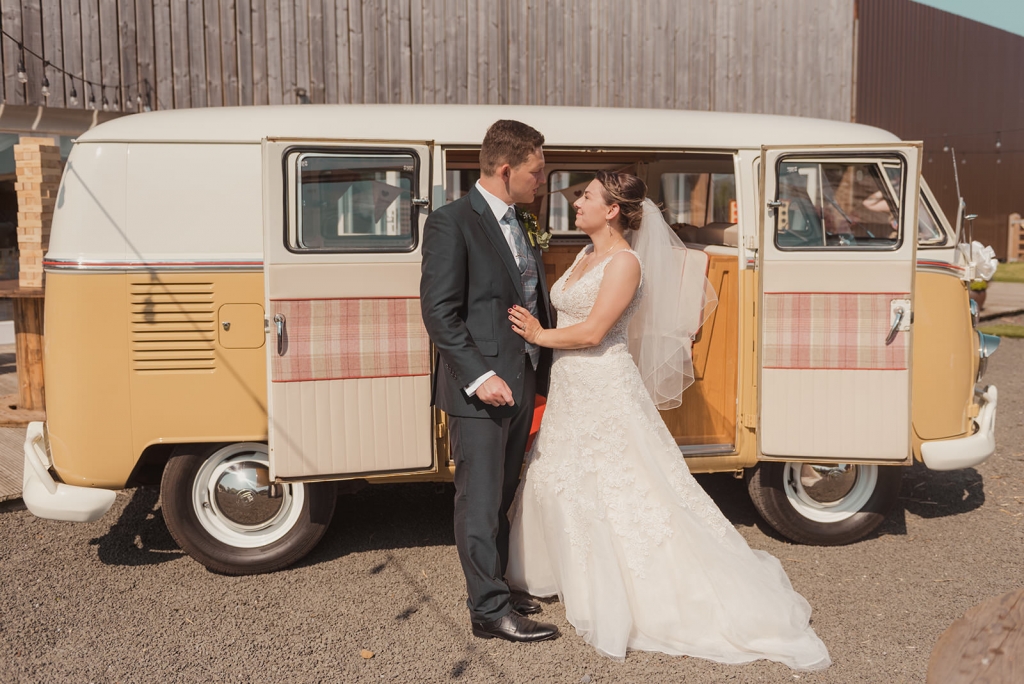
[495, 392]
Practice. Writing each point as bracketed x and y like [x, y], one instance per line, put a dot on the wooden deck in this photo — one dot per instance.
[11, 439]
[11, 458]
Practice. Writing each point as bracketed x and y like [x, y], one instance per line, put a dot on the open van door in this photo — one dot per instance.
[348, 358]
[837, 261]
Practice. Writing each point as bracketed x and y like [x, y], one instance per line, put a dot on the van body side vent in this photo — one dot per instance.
[173, 327]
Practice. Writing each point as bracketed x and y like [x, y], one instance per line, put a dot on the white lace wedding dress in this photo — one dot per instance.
[609, 518]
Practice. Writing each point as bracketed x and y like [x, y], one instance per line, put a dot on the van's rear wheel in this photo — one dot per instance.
[824, 504]
[217, 505]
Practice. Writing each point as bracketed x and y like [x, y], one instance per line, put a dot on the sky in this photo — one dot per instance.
[1005, 14]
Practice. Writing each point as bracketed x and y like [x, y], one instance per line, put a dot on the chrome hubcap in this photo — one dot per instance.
[231, 498]
[827, 484]
[828, 493]
[242, 493]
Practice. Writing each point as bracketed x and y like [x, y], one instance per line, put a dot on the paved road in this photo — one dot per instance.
[116, 601]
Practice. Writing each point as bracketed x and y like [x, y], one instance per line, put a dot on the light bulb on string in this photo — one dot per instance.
[22, 75]
[92, 99]
[106, 104]
[45, 89]
[73, 97]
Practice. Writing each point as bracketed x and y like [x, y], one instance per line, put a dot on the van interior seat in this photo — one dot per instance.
[726, 234]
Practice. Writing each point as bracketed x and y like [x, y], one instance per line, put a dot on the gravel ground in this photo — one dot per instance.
[116, 601]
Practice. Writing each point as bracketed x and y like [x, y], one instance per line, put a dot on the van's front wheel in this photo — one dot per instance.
[824, 504]
[217, 505]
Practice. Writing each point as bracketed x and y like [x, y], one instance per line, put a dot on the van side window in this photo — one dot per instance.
[354, 202]
[690, 200]
[835, 204]
[563, 186]
[699, 199]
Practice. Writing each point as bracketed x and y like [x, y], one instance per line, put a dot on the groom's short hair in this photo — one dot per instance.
[508, 142]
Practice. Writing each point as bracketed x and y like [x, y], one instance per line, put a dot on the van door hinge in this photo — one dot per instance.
[750, 242]
[749, 420]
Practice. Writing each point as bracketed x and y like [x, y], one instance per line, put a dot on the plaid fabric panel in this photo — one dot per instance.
[832, 331]
[337, 339]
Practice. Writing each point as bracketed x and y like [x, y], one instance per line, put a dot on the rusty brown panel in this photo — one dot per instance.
[925, 74]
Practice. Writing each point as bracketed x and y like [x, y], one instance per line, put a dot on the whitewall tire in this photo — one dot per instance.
[218, 505]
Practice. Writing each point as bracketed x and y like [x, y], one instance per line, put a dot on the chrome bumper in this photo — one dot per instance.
[47, 498]
[953, 454]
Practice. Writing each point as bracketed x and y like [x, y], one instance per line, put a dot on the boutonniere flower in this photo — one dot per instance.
[533, 231]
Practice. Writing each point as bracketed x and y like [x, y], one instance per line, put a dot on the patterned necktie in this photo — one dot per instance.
[518, 239]
[528, 273]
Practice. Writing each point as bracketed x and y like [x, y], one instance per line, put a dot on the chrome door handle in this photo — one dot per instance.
[279, 324]
[895, 326]
[774, 204]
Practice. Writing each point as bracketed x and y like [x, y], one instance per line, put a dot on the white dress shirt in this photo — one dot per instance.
[499, 208]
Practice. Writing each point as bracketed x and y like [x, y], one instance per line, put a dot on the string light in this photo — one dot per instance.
[86, 83]
[45, 89]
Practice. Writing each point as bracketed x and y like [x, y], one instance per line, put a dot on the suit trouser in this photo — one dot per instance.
[488, 459]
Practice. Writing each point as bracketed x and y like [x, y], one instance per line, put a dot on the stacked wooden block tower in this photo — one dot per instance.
[37, 161]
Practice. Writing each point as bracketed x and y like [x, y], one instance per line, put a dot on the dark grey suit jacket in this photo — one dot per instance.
[469, 281]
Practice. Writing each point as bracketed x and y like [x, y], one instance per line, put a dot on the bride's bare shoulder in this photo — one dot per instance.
[623, 267]
[630, 263]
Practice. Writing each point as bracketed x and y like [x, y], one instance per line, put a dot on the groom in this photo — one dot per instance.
[477, 262]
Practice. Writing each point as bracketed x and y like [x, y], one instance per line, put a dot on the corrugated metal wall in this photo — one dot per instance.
[776, 56]
[929, 75]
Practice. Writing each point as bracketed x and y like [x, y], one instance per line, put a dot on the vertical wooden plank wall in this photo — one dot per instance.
[774, 56]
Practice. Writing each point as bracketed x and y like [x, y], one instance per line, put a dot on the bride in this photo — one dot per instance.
[607, 516]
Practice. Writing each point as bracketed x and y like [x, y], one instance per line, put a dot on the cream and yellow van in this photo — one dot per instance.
[231, 311]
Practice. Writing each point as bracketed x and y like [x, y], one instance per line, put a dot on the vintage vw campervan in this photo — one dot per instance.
[231, 311]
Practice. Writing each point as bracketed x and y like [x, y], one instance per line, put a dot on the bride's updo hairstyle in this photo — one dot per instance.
[628, 192]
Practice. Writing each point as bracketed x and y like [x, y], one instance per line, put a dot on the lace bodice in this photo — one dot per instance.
[574, 302]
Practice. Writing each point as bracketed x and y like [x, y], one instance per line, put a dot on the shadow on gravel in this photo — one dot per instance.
[938, 494]
[382, 517]
[139, 537]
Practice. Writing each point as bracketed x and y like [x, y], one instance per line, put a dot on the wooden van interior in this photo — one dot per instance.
[705, 422]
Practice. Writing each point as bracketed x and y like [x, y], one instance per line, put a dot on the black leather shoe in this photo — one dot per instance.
[524, 605]
[514, 627]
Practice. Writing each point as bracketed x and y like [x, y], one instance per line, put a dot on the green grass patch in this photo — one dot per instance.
[1012, 272]
[1003, 330]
